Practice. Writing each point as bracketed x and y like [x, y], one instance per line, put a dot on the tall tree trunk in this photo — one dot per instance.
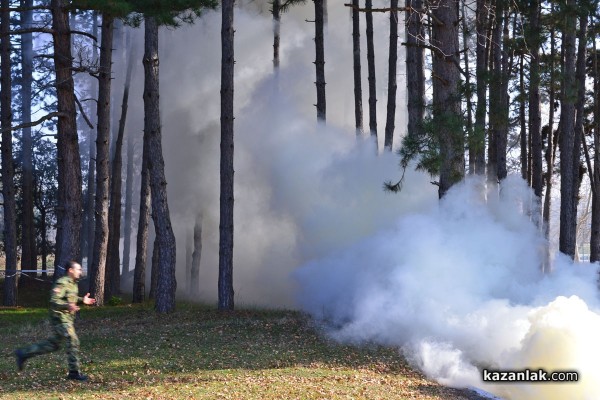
[44, 244]
[139, 275]
[196, 257]
[478, 141]
[415, 82]
[371, 71]
[28, 256]
[128, 205]
[496, 105]
[154, 268]
[189, 249]
[551, 143]
[69, 162]
[43, 224]
[523, 120]
[166, 285]
[392, 82]
[535, 119]
[118, 63]
[446, 103]
[98, 266]
[320, 61]
[225, 286]
[113, 264]
[276, 32]
[595, 225]
[502, 127]
[91, 184]
[567, 137]
[468, 93]
[8, 187]
[579, 112]
[358, 111]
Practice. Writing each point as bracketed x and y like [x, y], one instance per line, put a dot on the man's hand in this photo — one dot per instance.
[88, 300]
[73, 308]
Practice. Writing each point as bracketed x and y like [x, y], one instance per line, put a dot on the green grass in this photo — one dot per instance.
[130, 352]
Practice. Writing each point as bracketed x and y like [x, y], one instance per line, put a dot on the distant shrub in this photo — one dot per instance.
[115, 301]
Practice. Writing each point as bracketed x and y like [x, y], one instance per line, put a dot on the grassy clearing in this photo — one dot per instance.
[198, 353]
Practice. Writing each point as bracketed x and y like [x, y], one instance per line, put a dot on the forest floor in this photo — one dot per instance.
[196, 352]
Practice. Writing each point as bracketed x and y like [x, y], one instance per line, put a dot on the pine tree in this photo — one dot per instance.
[8, 190]
[225, 285]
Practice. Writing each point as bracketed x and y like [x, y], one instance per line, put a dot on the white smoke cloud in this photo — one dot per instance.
[300, 189]
[455, 285]
[459, 288]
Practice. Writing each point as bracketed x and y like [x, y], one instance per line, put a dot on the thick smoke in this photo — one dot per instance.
[300, 189]
[458, 288]
[455, 285]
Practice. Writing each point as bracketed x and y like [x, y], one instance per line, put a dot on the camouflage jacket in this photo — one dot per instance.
[64, 291]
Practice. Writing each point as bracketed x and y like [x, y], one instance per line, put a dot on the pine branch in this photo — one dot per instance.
[288, 4]
[19, 9]
[34, 123]
[89, 35]
[28, 30]
[85, 117]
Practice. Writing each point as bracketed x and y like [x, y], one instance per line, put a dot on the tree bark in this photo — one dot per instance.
[580, 72]
[320, 60]
[189, 249]
[44, 244]
[154, 268]
[139, 275]
[371, 71]
[468, 93]
[69, 162]
[225, 286]
[91, 184]
[535, 119]
[502, 132]
[523, 120]
[196, 257]
[128, 205]
[415, 77]
[113, 264]
[478, 141]
[118, 60]
[495, 113]
[98, 266]
[392, 82]
[446, 102]
[28, 249]
[551, 143]
[43, 224]
[8, 188]
[567, 239]
[502, 127]
[358, 112]
[276, 32]
[595, 224]
[166, 284]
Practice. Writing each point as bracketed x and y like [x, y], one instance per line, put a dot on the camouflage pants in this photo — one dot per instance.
[62, 331]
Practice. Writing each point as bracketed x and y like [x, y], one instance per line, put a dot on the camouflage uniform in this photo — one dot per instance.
[63, 292]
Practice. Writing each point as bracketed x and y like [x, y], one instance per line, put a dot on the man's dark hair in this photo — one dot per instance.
[70, 264]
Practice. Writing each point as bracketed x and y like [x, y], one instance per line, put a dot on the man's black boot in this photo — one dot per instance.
[77, 376]
[20, 358]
